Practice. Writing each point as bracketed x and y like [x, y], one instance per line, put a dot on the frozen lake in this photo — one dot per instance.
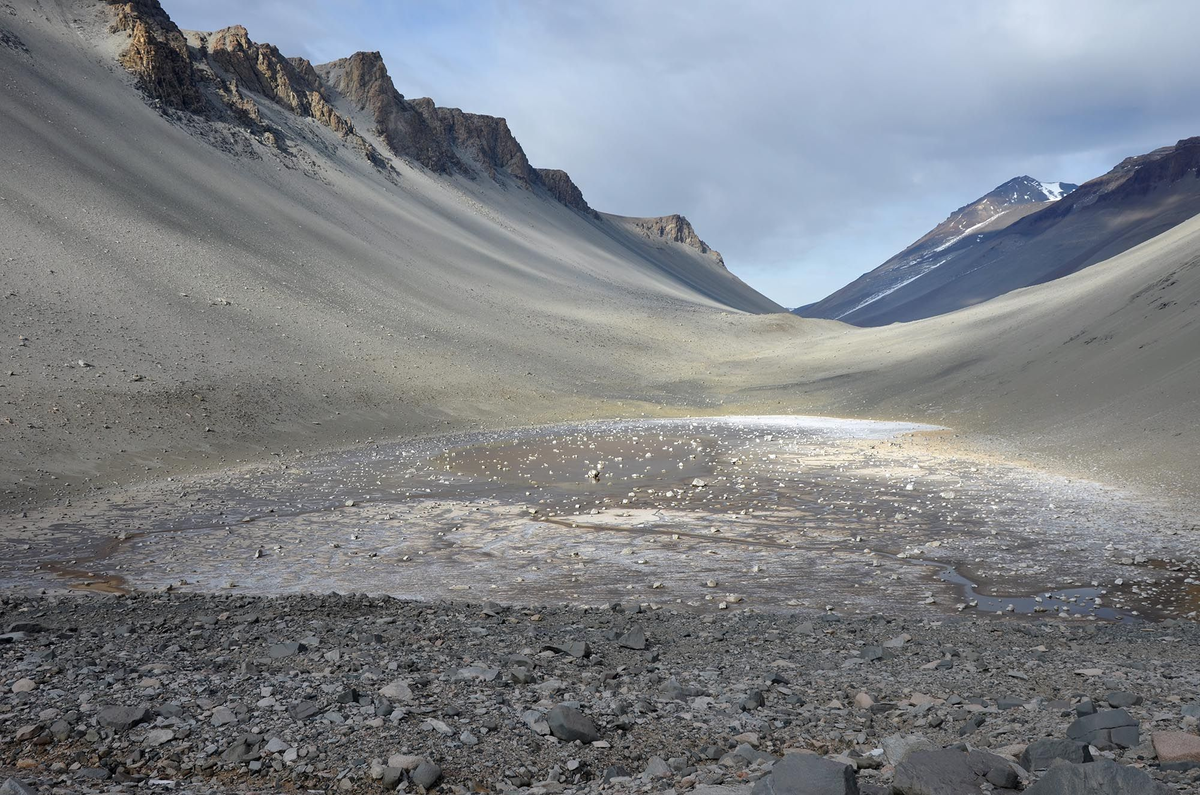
[770, 513]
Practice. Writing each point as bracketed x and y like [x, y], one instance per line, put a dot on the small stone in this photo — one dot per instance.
[426, 774]
[657, 768]
[1123, 699]
[398, 690]
[157, 737]
[634, 639]
[122, 718]
[223, 716]
[404, 762]
[279, 651]
[24, 686]
[27, 733]
[276, 745]
[897, 747]
[304, 710]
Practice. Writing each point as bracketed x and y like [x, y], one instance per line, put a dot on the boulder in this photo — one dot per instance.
[945, 772]
[1176, 750]
[634, 639]
[808, 774]
[122, 718]
[569, 724]
[1113, 727]
[1040, 754]
[1102, 777]
[898, 746]
[426, 774]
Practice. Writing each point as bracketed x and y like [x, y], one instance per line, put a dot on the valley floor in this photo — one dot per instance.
[227, 693]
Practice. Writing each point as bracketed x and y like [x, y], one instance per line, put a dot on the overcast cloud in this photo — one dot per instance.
[807, 142]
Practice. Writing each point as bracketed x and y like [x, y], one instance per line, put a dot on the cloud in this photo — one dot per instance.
[806, 141]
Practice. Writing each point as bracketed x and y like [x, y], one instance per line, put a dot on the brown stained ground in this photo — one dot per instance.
[774, 514]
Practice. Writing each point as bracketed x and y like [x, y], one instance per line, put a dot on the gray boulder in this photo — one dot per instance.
[122, 718]
[808, 774]
[1040, 754]
[569, 724]
[426, 774]
[634, 639]
[1102, 777]
[15, 787]
[945, 772]
[1113, 727]
[896, 747]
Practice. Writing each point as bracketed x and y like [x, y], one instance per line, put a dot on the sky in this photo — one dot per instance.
[806, 141]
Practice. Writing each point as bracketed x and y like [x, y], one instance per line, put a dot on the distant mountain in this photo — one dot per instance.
[967, 226]
[962, 263]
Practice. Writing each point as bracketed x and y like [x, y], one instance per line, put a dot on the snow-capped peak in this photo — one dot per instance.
[1054, 190]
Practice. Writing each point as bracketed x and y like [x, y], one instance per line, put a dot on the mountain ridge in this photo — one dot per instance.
[1003, 205]
[1139, 198]
[173, 66]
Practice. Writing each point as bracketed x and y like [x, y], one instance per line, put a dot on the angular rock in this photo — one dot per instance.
[1177, 750]
[391, 778]
[405, 762]
[1122, 699]
[1040, 754]
[634, 639]
[122, 718]
[569, 724]
[897, 747]
[1106, 729]
[304, 710]
[657, 768]
[398, 690]
[14, 787]
[159, 737]
[223, 716]
[1102, 777]
[426, 774]
[279, 651]
[945, 772]
[808, 774]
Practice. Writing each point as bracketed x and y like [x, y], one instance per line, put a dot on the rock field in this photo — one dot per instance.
[208, 693]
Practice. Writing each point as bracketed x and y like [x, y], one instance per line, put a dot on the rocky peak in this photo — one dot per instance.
[157, 54]
[484, 139]
[563, 188]
[1003, 204]
[1026, 190]
[291, 83]
[676, 229]
[364, 81]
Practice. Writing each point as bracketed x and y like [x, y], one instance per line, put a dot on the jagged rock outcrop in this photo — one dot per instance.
[563, 188]
[291, 83]
[220, 74]
[444, 140]
[364, 81]
[157, 54]
[676, 229]
[485, 139]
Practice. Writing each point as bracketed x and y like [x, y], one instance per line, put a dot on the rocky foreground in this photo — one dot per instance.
[202, 694]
